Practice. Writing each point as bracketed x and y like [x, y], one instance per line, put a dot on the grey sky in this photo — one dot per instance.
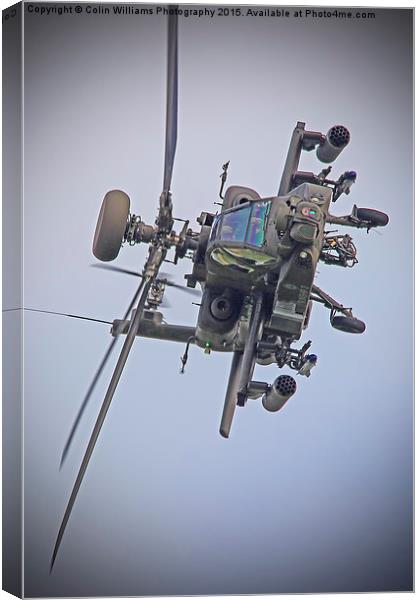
[316, 498]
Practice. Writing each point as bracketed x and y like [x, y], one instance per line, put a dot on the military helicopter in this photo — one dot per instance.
[255, 262]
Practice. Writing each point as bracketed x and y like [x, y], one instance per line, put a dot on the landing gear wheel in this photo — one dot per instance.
[374, 217]
[348, 324]
[110, 228]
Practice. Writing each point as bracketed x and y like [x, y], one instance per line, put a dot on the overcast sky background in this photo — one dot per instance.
[315, 498]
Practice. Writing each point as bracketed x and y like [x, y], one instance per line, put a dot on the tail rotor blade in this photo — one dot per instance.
[94, 382]
[102, 413]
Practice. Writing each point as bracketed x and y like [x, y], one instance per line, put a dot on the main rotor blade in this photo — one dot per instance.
[116, 269]
[166, 279]
[178, 286]
[171, 101]
[131, 335]
[95, 379]
[52, 312]
[107, 267]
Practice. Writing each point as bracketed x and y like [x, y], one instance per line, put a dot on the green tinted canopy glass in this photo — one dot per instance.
[246, 224]
[256, 226]
[245, 227]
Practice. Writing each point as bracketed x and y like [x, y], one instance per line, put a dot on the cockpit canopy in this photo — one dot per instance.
[238, 237]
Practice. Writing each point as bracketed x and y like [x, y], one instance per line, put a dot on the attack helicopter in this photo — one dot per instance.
[254, 261]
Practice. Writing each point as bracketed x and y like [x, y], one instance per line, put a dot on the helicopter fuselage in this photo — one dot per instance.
[271, 245]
